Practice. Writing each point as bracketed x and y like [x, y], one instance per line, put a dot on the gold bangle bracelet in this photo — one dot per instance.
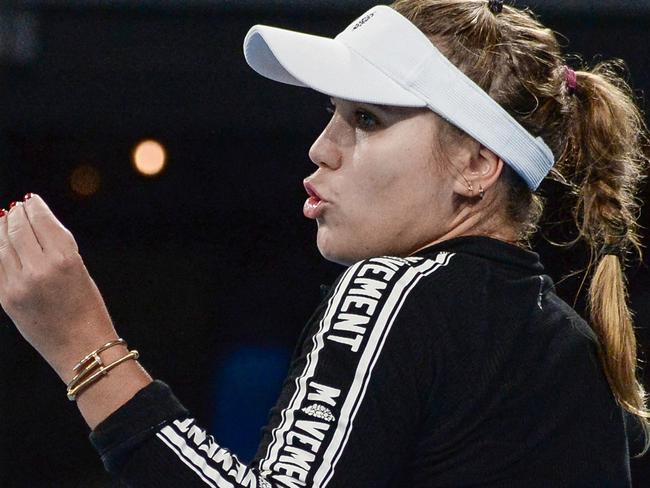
[97, 363]
[98, 350]
[103, 370]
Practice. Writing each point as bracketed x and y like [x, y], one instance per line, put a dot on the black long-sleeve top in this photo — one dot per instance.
[457, 366]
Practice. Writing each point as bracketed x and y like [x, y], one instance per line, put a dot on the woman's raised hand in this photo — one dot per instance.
[45, 287]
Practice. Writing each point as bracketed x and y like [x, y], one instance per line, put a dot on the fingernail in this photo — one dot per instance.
[12, 205]
[3, 212]
[28, 196]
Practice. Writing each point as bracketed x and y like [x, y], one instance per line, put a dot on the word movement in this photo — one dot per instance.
[318, 412]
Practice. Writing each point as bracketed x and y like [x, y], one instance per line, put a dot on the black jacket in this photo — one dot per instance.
[458, 366]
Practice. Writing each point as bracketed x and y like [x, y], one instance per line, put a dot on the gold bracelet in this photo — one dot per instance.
[97, 363]
[98, 350]
[103, 370]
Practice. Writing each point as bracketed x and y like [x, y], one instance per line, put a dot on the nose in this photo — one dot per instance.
[325, 151]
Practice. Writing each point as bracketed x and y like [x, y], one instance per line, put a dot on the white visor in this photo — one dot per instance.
[382, 58]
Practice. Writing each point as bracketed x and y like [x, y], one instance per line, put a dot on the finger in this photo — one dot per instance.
[51, 234]
[22, 237]
[8, 256]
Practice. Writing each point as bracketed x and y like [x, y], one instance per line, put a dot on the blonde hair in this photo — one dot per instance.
[598, 136]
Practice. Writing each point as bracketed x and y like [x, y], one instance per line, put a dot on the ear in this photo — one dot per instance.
[482, 170]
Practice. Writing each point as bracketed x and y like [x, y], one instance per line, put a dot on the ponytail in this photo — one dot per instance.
[592, 124]
[605, 160]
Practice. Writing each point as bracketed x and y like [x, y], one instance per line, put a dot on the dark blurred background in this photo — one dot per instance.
[208, 268]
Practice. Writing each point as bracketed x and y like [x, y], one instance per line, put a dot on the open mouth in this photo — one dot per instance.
[311, 191]
[314, 205]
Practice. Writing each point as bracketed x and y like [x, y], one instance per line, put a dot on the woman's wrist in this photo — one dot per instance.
[112, 390]
[65, 361]
[105, 396]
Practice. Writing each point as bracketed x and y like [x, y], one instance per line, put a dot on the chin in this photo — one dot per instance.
[338, 259]
[330, 251]
[335, 257]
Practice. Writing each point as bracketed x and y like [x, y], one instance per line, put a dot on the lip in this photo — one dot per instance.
[311, 190]
[313, 208]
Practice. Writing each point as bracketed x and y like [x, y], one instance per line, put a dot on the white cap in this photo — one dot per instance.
[382, 58]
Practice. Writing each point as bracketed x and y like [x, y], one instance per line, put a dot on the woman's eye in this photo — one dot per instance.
[366, 120]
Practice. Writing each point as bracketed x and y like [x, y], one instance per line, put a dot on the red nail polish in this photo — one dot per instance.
[28, 196]
[12, 205]
[3, 212]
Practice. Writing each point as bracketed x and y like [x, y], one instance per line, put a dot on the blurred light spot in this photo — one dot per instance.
[85, 180]
[149, 157]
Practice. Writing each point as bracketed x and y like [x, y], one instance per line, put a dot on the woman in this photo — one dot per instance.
[442, 355]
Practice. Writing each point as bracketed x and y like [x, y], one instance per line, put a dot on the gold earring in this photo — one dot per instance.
[481, 191]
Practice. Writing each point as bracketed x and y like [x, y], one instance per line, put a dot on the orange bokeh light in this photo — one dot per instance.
[149, 157]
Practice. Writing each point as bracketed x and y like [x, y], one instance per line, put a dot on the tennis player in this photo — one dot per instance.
[441, 356]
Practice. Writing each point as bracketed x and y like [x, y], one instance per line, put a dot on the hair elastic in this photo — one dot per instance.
[571, 79]
[613, 250]
[496, 6]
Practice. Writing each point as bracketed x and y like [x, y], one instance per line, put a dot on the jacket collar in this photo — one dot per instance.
[484, 247]
[488, 248]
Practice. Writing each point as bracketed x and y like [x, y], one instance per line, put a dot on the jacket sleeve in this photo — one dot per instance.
[348, 413]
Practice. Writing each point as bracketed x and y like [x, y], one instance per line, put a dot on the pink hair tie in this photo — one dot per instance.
[571, 79]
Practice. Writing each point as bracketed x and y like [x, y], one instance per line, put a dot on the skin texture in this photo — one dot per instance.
[388, 192]
[391, 191]
[47, 292]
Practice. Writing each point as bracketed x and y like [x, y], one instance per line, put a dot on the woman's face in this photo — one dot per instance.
[384, 188]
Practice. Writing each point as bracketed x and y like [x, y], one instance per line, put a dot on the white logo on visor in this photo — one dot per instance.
[363, 20]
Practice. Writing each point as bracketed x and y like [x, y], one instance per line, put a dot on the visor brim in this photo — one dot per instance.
[322, 64]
